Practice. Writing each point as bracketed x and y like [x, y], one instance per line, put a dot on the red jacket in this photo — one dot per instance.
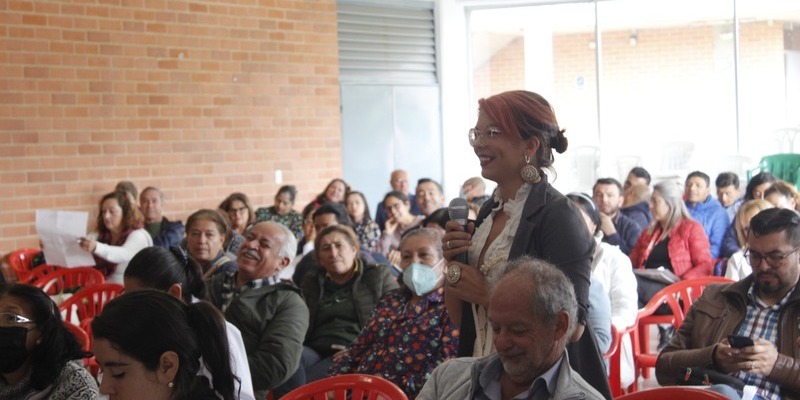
[688, 248]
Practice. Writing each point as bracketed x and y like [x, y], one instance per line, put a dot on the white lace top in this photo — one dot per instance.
[496, 254]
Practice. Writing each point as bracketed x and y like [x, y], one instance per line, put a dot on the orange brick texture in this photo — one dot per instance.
[198, 98]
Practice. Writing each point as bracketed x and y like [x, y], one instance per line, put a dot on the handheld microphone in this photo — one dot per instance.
[458, 211]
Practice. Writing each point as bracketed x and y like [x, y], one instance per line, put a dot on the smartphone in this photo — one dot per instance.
[739, 342]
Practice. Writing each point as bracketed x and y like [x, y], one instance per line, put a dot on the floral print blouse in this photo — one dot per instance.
[368, 234]
[402, 343]
[292, 220]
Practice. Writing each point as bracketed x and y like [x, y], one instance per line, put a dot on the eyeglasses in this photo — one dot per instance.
[238, 210]
[12, 320]
[774, 260]
[476, 135]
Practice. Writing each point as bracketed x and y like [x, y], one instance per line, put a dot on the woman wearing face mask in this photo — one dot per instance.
[39, 357]
[120, 235]
[410, 332]
[282, 212]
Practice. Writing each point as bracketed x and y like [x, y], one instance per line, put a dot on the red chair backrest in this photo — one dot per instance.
[20, 262]
[80, 335]
[673, 393]
[351, 386]
[89, 302]
[679, 296]
[66, 279]
[39, 273]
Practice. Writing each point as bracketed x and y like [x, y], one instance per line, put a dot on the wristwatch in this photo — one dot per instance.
[453, 274]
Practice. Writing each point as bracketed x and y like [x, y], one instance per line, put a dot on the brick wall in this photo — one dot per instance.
[676, 84]
[199, 98]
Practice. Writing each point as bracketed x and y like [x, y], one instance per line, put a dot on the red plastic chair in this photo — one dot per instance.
[80, 335]
[89, 302]
[66, 279]
[20, 262]
[614, 357]
[351, 386]
[39, 273]
[673, 393]
[679, 296]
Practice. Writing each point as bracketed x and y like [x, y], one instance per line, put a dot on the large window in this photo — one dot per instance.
[659, 83]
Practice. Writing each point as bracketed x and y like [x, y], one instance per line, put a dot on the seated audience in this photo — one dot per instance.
[165, 233]
[151, 345]
[270, 313]
[533, 312]
[706, 210]
[782, 195]
[119, 236]
[306, 244]
[617, 229]
[329, 215]
[400, 220]
[239, 210]
[758, 185]
[410, 332]
[282, 212]
[171, 271]
[366, 229]
[40, 358]
[738, 266]
[399, 183]
[437, 220]
[612, 269]
[333, 193]
[130, 190]
[728, 193]
[205, 235]
[430, 196]
[636, 191]
[340, 297]
[762, 307]
[474, 191]
[673, 242]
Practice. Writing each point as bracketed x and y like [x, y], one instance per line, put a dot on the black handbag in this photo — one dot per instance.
[707, 377]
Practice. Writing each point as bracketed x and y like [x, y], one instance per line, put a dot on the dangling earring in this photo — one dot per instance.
[530, 173]
[171, 385]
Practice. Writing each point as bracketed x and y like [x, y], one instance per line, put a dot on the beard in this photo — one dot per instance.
[771, 286]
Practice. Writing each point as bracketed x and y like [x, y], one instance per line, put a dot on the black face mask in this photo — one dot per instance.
[12, 347]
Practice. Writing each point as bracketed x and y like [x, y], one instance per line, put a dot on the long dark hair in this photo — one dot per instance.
[366, 217]
[58, 345]
[160, 268]
[147, 323]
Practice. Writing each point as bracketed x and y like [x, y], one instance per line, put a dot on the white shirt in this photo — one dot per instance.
[121, 255]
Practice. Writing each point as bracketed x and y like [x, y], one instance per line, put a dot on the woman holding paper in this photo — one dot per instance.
[120, 235]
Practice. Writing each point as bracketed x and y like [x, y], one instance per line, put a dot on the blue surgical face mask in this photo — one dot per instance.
[422, 279]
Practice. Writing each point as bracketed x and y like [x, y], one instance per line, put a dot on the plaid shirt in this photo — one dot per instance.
[229, 290]
[761, 321]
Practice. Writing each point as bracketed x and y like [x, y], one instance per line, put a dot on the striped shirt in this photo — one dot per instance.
[761, 322]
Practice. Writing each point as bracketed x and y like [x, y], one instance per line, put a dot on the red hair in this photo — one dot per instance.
[527, 115]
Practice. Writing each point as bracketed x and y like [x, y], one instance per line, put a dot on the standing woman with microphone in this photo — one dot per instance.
[514, 140]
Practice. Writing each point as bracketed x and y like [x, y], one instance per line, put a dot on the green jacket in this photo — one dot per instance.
[369, 284]
[273, 320]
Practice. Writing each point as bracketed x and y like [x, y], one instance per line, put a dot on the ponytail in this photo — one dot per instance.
[213, 343]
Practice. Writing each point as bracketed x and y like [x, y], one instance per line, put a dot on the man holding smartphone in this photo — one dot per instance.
[763, 307]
